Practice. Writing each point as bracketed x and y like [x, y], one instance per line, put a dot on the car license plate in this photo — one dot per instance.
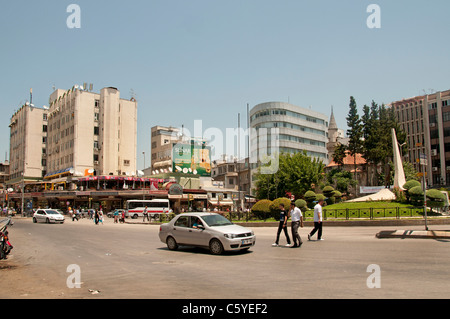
[246, 241]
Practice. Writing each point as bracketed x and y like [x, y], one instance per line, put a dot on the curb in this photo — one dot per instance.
[423, 234]
[338, 223]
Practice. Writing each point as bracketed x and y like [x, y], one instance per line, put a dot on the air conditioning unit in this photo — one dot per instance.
[434, 152]
[432, 124]
[435, 169]
[95, 162]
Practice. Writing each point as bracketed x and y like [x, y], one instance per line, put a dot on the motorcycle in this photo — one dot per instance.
[5, 244]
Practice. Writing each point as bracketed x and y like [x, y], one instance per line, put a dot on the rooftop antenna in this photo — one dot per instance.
[91, 87]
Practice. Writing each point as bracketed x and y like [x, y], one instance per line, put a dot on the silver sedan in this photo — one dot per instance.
[208, 230]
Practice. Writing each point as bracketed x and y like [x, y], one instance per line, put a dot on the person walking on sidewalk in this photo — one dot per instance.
[283, 227]
[296, 221]
[145, 215]
[317, 221]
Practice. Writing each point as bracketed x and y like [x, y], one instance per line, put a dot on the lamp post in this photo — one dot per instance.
[143, 153]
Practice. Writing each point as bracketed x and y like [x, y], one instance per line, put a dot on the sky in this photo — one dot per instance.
[187, 60]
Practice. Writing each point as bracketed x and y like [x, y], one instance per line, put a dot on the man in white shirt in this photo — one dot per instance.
[296, 221]
[317, 221]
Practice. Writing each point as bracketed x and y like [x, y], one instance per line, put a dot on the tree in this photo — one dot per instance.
[354, 132]
[339, 154]
[296, 172]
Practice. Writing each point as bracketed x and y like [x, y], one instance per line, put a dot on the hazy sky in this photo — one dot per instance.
[205, 60]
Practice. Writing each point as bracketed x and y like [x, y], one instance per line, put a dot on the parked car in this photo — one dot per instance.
[208, 230]
[48, 216]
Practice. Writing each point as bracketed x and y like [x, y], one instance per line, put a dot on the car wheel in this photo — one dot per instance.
[34, 220]
[171, 243]
[48, 221]
[216, 247]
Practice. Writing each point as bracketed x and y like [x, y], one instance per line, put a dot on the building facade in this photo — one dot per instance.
[91, 133]
[162, 140]
[28, 139]
[297, 129]
[426, 120]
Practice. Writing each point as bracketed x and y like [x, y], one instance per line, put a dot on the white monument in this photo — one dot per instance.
[399, 177]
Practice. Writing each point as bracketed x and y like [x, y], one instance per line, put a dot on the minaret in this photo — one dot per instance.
[332, 135]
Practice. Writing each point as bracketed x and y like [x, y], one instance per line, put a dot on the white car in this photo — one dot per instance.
[208, 230]
[48, 216]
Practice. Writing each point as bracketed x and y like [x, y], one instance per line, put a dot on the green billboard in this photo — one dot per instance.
[191, 159]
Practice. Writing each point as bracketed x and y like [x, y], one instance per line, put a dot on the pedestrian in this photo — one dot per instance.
[96, 216]
[145, 214]
[100, 215]
[317, 221]
[296, 221]
[282, 227]
[122, 220]
[116, 216]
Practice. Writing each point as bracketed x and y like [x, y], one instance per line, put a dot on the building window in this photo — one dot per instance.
[96, 130]
[126, 162]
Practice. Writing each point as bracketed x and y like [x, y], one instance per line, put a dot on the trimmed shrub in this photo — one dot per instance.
[310, 197]
[416, 195]
[261, 209]
[435, 198]
[301, 203]
[275, 206]
[408, 185]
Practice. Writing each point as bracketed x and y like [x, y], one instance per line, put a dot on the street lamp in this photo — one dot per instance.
[143, 153]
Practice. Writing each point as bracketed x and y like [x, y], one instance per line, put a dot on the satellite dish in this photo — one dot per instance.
[71, 171]
[140, 173]
[45, 107]
[90, 171]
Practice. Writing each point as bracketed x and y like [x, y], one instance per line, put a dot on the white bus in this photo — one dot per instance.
[135, 207]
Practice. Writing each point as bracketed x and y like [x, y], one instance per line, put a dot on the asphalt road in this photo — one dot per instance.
[129, 261]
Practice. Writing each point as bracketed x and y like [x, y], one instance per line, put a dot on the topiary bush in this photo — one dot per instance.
[416, 195]
[408, 185]
[310, 197]
[301, 204]
[435, 198]
[261, 209]
[275, 206]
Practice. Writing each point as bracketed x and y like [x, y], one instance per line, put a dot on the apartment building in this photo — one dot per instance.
[162, 140]
[91, 133]
[426, 120]
[28, 138]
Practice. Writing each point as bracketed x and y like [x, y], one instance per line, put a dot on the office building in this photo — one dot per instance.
[426, 120]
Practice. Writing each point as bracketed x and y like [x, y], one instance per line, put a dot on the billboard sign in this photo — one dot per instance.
[191, 159]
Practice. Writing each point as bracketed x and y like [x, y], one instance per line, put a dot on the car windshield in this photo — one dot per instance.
[52, 212]
[216, 220]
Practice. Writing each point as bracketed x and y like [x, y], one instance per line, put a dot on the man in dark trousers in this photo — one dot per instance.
[317, 221]
[283, 226]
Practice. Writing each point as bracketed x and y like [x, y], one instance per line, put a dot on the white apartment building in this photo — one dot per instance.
[28, 136]
[91, 133]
